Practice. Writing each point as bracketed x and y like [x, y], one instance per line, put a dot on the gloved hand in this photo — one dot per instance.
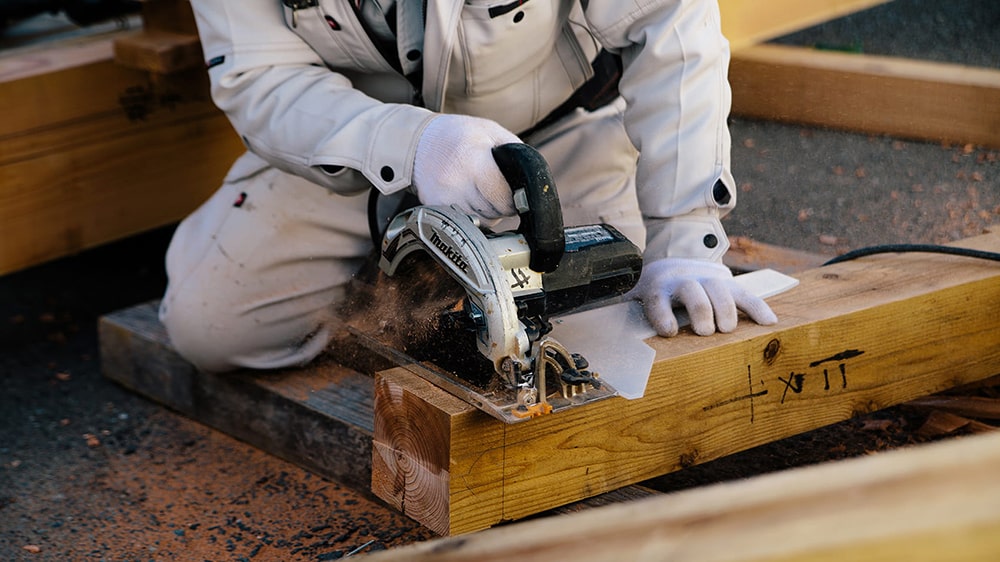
[454, 166]
[706, 289]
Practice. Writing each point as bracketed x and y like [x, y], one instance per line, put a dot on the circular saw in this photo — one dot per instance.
[514, 281]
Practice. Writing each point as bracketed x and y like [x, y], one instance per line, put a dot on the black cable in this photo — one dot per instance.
[900, 248]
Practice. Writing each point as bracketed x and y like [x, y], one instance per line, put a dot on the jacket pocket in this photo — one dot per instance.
[503, 41]
[332, 29]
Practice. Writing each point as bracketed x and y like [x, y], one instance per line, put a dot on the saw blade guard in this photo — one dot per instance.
[455, 241]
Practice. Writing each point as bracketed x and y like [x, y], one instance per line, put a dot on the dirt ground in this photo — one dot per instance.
[90, 471]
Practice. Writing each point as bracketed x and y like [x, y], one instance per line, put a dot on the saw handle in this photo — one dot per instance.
[526, 170]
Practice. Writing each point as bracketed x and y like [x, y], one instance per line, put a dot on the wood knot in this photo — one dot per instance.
[771, 351]
[688, 459]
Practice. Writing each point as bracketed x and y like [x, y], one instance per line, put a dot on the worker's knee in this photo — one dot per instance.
[219, 337]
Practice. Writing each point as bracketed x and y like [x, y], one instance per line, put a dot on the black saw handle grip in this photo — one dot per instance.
[541, 221]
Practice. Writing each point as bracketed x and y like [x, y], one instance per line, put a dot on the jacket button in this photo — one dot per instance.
[518, 17]
[710, 241]
[413, 55]
[332, 23]
[387, 173]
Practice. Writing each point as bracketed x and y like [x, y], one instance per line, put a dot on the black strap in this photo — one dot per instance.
[599, 91]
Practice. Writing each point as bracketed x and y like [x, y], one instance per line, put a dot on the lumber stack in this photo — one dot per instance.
[92, 151]
[853, 338]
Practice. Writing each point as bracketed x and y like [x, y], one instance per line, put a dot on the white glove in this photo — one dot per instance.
[454, 166]
[706, 289]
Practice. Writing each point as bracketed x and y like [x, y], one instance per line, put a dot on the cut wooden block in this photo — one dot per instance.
[748, 22]
[853, 337]
[168, 42]
[163, 52]
[879, 95]
[934, 502]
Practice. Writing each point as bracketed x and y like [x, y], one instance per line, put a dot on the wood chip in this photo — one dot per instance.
[92, 440]
[942, 423]
[876, 425]
[32, 548]
[971, 406]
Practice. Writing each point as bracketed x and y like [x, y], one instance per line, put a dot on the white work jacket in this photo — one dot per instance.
[309, 93]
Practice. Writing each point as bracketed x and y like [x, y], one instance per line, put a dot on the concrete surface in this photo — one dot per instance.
[89, 471]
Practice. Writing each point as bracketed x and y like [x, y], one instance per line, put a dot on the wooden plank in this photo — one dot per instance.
[872, 94]
[853, 338]
[934, 502]
[318, 417]
[748, 22]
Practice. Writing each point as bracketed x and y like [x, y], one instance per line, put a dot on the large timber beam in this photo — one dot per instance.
[853, 337]
[872, 94]
[934, 502]
[91, 151]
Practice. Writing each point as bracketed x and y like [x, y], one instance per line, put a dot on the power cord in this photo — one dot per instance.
[900, 248]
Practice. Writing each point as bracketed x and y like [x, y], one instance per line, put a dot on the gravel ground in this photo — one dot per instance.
[89, 471]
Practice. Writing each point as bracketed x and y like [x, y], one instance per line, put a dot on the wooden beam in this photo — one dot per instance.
[748, 22]
[934, 502]
[878, 95]
[853, 338]
[95, 151]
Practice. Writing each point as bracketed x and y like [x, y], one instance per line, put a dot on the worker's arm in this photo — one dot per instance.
[675, 83]
[298, 115]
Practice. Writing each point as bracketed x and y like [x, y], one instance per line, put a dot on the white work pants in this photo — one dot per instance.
[255, 274]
